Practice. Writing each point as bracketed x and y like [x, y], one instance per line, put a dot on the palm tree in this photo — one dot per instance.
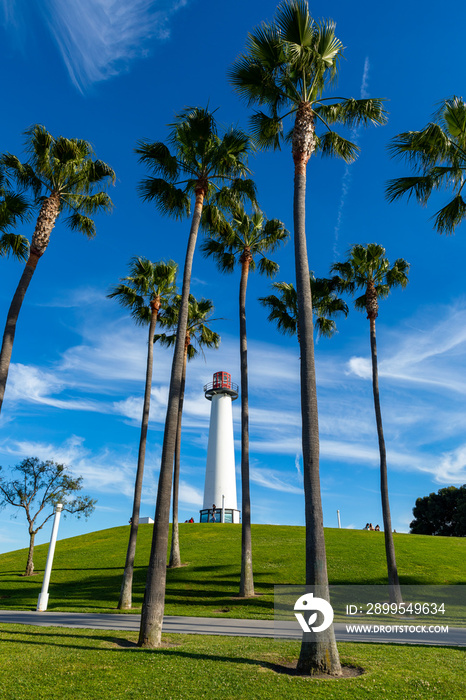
[242, 240]
[368, 269]
[14, 209]
[437, 155]
[148, 288]
[287, 68]
[197, 333]
[208, 167]
[283, 308]
[62, 176]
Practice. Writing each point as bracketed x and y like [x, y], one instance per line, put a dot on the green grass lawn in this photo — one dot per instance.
[88, 569]
[42, 663]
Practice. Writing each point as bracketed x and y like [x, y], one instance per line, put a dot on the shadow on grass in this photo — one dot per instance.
[168, 648]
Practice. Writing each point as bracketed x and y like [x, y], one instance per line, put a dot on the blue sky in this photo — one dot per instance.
[113, 72]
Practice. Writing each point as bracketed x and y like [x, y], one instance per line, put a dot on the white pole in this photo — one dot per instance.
[223, 509]
[338, 516]
[44, 594]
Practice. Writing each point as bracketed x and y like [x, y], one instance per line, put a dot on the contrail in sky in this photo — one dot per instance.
[97, 39]
[347, 176]
[298, 466]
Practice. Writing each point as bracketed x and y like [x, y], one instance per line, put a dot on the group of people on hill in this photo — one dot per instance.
[369, 526]
[191, 520]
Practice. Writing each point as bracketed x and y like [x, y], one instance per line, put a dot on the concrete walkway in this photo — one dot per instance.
[226, 626]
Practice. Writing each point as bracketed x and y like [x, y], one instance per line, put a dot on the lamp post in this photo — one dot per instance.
[44, 594]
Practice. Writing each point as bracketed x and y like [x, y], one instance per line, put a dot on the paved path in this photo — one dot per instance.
[222, 626]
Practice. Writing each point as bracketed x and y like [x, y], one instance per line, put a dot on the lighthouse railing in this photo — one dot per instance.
[231, 386]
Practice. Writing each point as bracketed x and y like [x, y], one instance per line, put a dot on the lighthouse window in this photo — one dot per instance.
[222, 380]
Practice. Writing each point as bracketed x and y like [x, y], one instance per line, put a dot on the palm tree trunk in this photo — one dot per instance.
[175, 556]
[150, 633]
[45, 222]
[247, 581]
[12, 319]
[393, 582]
[318, 651]
[125, 601]
[30, 563]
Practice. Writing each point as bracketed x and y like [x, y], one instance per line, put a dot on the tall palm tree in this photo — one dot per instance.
[283, 307]
[437, 155]
[287, 68]
[148, 288]
[241, 241]
[63, 176]
[198, 334]
[14, 209]
[368, 269]
[208, 167]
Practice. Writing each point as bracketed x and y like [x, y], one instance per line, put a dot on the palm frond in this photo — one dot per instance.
[146, 282]
[333, 145]
[422, 148]
[239, 191]
[419, 186]
[294, 22]
[451, 215]
[165, 339]
[215, 222]
[157, 157]
[23, 173]
[220, 252]
[81, 223]
[38, 143]
[367, 267]
[267, 267]
[329, 48]
[14, 244]
[266, 131]
[283, 309]
[14, 209]
[254, 74]
[65, 150]
[397, 275]
[360, 303]
[99, 172]
[353, 113]
[168, 199]
[88, 204]
[325, 327]
[229, 156]
[453, 116]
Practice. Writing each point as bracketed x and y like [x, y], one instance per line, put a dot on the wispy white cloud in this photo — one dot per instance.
[273, 479]
[107, 471]
[76, 298]
[105, 374]
[98, 39]
[424, 355]
[451, 468]
[190, 495]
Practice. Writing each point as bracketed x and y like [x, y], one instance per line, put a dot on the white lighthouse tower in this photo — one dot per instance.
[220, 505]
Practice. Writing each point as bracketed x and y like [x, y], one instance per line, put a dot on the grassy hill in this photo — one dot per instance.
[88, 569]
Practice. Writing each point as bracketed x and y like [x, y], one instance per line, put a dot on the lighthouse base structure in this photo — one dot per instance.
[220, 504]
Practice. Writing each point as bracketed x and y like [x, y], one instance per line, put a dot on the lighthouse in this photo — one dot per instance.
[220, 505]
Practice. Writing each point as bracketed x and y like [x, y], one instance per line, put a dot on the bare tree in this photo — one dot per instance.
[38, 488]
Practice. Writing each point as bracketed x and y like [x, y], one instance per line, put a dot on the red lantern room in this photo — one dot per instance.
[221, 384]
[222, 380]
